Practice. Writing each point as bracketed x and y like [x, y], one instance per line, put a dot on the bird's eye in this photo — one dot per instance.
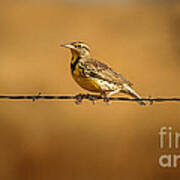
[78, 46]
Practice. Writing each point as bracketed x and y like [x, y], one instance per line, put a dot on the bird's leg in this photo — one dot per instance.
[113, 92]
[79, 98]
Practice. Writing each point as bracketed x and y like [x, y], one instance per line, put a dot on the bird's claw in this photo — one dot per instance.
[79, 98]
[92, 98]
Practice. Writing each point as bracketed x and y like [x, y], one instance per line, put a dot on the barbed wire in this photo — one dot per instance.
[80, 97]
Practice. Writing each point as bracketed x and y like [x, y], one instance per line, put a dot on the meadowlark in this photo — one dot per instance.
[96, 76]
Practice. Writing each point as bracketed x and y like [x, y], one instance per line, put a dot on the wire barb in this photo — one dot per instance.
[151, 100]
[34, 98]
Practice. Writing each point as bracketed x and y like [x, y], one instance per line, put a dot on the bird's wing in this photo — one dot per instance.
[97, 69]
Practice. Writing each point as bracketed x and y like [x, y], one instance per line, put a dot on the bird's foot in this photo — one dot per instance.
[92, 98]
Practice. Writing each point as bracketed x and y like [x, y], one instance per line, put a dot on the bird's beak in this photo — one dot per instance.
[67, 46]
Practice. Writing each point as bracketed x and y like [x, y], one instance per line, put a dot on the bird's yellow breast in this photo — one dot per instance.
[87, 83]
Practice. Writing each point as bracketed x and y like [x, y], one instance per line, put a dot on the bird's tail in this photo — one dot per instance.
[131, 92]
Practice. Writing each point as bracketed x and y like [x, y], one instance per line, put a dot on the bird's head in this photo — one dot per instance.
[78, 48]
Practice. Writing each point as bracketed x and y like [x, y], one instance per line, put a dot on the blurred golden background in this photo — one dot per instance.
[60, 140]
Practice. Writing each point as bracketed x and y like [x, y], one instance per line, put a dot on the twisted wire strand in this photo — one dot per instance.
[84, 96]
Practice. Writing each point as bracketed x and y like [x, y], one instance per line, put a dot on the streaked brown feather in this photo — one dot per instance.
[97, 69]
